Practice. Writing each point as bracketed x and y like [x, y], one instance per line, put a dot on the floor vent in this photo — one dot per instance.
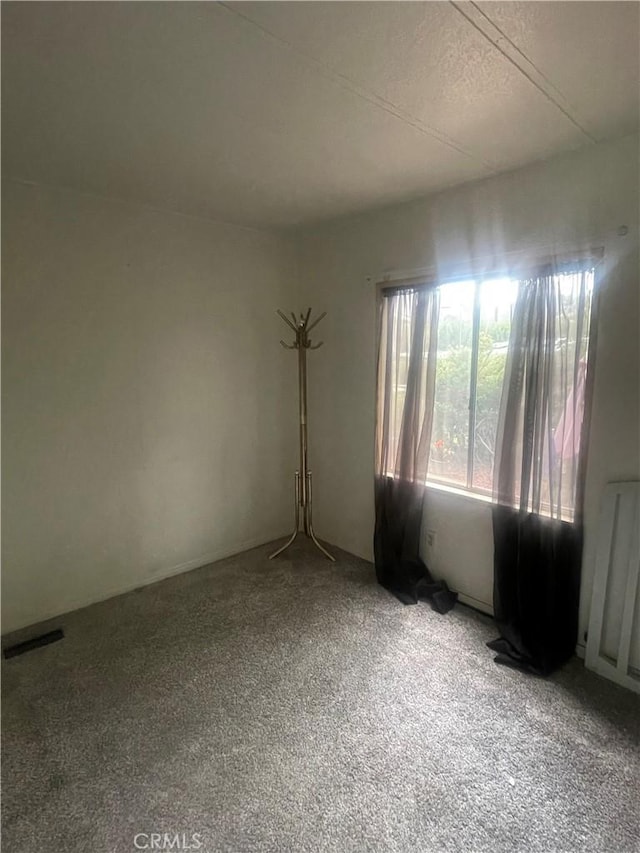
[33, 643]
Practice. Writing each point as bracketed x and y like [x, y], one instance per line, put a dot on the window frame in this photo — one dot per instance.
[517, 271]
[467, 487]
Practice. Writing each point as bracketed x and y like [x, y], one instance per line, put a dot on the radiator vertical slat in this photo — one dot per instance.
[624, 649]
[606, 530]
[615, 585]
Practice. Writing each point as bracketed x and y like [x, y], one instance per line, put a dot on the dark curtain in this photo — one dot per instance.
[536, 589]
[538, 479]
[407, 342]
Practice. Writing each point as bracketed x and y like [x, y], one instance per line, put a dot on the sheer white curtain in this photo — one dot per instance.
[406, 382]
[542, 409]
[407, 345]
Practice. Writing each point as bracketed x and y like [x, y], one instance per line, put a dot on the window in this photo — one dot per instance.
[473, 337]
[473, 320]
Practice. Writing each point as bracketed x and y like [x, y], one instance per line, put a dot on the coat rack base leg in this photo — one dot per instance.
[309, 524]
[307, 527]
[296, 529]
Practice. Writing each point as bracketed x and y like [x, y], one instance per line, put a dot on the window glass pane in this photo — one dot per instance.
[450, 453]
[450, 433]
[497, 298]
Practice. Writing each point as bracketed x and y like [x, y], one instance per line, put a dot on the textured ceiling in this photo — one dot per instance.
[272, 114]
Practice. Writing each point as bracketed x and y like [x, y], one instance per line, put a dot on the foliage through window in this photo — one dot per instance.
[474, 326]
[473, 337]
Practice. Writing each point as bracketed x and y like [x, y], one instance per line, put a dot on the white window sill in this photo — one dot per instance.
[567, 515]
[458, 492]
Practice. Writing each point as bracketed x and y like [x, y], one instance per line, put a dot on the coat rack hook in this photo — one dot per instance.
[316, 321]
[287, 320]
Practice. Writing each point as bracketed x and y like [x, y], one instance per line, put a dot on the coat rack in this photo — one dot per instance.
[302, 343]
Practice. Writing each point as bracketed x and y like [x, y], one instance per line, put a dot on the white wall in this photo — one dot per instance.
[570, 202]
[148, 409]
[149, 413]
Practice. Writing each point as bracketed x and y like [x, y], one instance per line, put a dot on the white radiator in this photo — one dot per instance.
[613, 641]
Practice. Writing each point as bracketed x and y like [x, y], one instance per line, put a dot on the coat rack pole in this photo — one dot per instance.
[303, 513]
[302, 404]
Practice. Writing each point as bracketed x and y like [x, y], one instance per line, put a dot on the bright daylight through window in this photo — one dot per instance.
[473, 336]
[474, 326]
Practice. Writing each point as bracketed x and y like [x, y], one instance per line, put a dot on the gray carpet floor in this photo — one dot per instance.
[294, 705]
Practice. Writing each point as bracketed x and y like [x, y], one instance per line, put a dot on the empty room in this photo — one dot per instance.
[320, 427]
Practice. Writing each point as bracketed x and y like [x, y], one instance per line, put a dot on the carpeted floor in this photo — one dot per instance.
[294, 705]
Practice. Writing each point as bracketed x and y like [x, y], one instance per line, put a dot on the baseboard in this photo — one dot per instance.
[475, 603]
[196, 563]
